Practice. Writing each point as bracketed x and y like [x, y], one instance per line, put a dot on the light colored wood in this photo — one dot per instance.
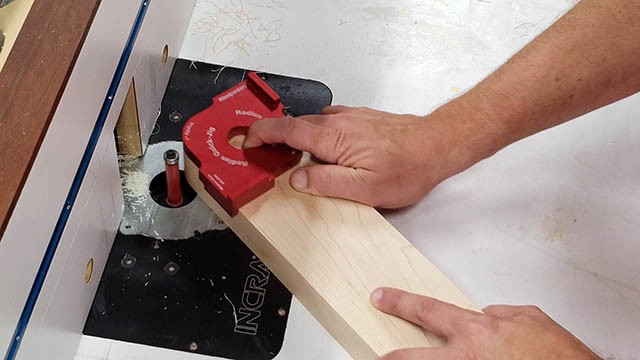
[12, 17]
[128, 125]
[331, 254]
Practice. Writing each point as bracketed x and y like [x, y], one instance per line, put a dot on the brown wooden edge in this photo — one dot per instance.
[31, 84]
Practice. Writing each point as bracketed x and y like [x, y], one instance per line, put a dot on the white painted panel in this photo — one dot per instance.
[165, 25]
[55, 328]
[39, 205]
[50, 318]
[61, 310]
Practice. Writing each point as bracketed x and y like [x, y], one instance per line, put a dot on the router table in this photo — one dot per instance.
[551, 220]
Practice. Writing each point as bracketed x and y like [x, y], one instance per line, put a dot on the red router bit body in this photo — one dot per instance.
[232, 176]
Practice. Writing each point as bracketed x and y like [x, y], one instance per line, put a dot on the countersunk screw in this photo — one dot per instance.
[128, 261]
[171, 268]
[175, 116]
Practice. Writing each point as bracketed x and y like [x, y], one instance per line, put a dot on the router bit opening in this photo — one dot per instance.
[158, 190]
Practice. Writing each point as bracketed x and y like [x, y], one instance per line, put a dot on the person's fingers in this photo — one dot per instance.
[338, 109]
[321, 141]
[502, 311]
[334, 109]
[511, 311]
[418, 354]
[288, 130]
[334, 181]
[433, 315]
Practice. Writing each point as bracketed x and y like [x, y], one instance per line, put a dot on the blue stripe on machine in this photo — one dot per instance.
[75, 186]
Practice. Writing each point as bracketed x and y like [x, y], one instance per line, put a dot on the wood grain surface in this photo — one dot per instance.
[332, 254]
[31, 84]
[128, 126]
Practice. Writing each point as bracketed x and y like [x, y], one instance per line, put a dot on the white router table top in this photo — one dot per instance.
[551, 220]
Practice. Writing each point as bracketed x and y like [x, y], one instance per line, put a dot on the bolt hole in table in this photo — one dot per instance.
[551, 220]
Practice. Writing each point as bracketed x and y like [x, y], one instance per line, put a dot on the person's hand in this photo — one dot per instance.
[377, 158]
[502, 333]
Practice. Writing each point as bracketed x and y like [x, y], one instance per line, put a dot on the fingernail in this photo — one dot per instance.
[251, 143]
[300, 180]
[376, 296]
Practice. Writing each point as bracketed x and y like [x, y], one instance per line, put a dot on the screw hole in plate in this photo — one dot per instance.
[165, 55]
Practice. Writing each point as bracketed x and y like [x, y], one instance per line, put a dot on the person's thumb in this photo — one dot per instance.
[334, 181]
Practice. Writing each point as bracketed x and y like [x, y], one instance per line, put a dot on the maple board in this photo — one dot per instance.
[331, 254]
